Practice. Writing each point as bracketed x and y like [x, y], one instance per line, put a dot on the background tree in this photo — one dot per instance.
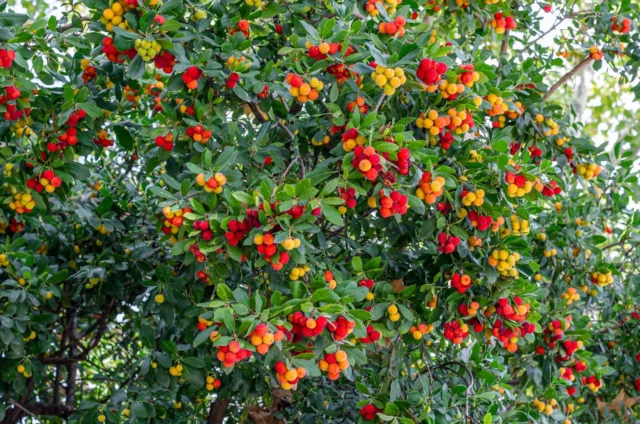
[318, 212]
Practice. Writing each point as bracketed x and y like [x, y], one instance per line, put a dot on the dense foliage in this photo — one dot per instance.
[302, 211]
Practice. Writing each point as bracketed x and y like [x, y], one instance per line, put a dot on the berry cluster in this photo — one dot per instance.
[551, 189]
[360, 104]
[212, 383]
[542, 407]
[595, 53]
[448, 89]
[165, 141]
[447, 244]
[389, 5]
[131, 95]
[89, 71]
[232, 353]
[341, 328]
[420, 331]
[367, 162]
[351, 139]
[602, 279]
[623, 27]
[238, 64]
[461, 282]
[290, 243]
[22, 203]
[403, 158]
[396, 27]
[394, 314]
[394, 203]
[483, 222]
[265, 244]
[333, 363]
[262, 339]
[498, 105]
[243, 27]
[372, 336]
[571, 295]
[457, 121]
[369, 412]
[203, 324]
[173, 219]
[588, 171]
[325, 140]
[102, 139]
[340, 71]
[288, 377]
[328, 277]
[388, 79]
[321, 51]
[204, 228]
[304, 91]
[48, 181]
[6, 58]
[430, 71]
[298, 272]
[115, 55]
[304, 326]
[349, 197]
[165, 61]
[199, 134]
[191, 77]
[237, 230]
[75, 118]
[147, 49]
[232, 80]
[472, 198]
[430, 188]
[518, 184]
[455, 331]
[518, 226]
[592, 382]
[23, 370]
[505, 262]
[68, 138]
[468, 76]
[502, 23]
[113, 16]
[212, 185]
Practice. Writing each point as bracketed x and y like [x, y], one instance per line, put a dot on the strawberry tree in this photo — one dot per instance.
[291, 211]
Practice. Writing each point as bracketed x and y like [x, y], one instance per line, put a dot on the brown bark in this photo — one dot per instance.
[218, 411]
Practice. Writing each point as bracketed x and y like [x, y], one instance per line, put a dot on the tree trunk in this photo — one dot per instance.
[218, 411]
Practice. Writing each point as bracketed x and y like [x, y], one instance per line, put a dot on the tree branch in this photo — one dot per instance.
[579, 67]
[218, 410]
[505, 43]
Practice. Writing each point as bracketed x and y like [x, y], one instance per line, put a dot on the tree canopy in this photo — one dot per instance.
[318, 212]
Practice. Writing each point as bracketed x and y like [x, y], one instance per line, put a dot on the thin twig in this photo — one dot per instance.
[579, 67]
[379, 103]
[65, 27]
[17, 405]
[505, 43]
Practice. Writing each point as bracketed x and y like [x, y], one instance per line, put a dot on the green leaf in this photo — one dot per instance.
[203, 336]
[500, 146]
[331, 214]
[224, 292]
[136, 67]
[123, 137]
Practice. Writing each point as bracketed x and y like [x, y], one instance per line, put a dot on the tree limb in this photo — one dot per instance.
[218, 410]
[579, 67]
